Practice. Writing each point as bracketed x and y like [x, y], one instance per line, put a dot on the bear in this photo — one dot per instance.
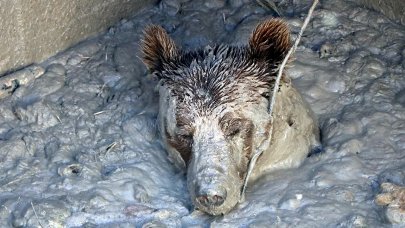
[213, 111]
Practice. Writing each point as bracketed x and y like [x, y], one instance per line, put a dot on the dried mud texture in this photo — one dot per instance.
[79, 145]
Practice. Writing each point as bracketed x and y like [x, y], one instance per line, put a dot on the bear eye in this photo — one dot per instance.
[233, 127]
[266, 95]
[184, 133]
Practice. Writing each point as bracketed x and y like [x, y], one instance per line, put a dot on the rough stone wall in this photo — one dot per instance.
[31, 31]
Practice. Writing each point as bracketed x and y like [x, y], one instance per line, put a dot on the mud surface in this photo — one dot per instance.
[79, 147]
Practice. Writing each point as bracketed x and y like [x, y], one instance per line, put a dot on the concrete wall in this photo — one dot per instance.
[32, 31]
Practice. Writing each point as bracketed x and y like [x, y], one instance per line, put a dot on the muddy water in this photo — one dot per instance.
[79, 147]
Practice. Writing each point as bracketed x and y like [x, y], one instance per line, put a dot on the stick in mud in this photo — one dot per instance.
[35, 213]
[266, 143]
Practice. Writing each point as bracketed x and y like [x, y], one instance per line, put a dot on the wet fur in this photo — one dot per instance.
[213, 108]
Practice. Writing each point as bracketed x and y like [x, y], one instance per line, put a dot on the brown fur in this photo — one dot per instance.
[270, 40]
[247, 147]
[213, 111]
[230, 125]
[157, 47]
[268, 45]
[182, 145]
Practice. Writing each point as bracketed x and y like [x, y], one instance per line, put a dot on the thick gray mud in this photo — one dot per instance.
[79, 145]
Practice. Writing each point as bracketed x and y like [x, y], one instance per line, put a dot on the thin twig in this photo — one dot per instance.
[267, 142]
[106, 53]
[84, 57]
[35, 212]
[290, 52]
[98, 113]
[111, 146]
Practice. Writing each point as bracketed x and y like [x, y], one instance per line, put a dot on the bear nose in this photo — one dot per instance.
[211, 197]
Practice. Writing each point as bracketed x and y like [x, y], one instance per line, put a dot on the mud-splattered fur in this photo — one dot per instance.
[216, 78]
[270, 40]
[213, 111]
[158, 49]
[205, 79]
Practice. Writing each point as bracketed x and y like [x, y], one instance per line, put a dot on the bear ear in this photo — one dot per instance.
[270, 41]
[157, 48]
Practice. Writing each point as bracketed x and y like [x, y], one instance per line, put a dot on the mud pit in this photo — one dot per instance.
[79, 146]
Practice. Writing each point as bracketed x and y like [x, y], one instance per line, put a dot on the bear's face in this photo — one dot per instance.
[213, 108]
